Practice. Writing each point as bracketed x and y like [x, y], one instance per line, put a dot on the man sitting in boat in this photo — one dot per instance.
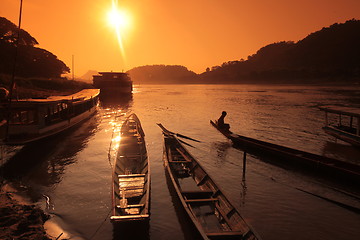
[221, 124]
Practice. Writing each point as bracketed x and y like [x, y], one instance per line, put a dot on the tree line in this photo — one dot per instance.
[329, 55]
[31, 60]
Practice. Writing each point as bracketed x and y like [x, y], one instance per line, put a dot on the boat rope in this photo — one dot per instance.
[101, 224]
[109, 151]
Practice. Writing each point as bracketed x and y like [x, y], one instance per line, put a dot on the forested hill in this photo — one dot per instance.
[331, 54]
[162, 74]
[31, 61]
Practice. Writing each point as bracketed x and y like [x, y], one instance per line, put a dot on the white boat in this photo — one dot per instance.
[346, 126]
[34, 119]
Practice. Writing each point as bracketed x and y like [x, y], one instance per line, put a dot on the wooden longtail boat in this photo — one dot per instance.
[34, 119]
[289, 156]
[131, 175]
[348, 132]
[208, 208]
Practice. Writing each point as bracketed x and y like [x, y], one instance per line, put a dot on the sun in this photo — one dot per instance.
[118, 19]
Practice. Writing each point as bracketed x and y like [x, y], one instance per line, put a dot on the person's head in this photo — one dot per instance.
[4, 93]
[223, 113]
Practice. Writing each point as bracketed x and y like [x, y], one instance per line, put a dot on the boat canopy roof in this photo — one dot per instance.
[84, 94]
[349, 111]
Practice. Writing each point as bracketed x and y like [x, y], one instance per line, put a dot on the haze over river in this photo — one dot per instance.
[74, 171]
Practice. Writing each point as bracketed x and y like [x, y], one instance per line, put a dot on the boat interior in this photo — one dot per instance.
[204, 199]
[131, 172]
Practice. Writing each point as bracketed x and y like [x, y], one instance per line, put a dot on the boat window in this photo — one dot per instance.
[22, 117]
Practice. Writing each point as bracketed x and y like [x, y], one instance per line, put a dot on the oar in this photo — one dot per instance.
[186, 143]
[183, 136]
[177, 134]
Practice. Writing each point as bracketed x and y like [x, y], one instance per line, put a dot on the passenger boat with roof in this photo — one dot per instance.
[113, 83]
[131, 175]
[344, 123]
[34, 119]
[210, 211]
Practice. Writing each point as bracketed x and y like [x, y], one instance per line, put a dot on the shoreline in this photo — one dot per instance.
[20, 219]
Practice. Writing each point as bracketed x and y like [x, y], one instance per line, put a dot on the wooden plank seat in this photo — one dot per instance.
[130, 156]
[131, 185]
[225, 233]
[132, 206]
[178, 161]
[201, 200]
[197, 191]
[197, 194]
[132, 175]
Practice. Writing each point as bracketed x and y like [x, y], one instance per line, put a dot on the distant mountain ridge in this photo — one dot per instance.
[160, 74]
[331, 54]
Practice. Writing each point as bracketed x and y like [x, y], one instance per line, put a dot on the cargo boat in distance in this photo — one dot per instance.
[34, 119]
[113, 83]
[347, 125]
[205, 203]
[131, 175]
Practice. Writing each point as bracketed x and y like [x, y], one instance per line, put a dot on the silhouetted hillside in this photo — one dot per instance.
[31, 61]
[38, 71]
[331, 54]
[160, 74]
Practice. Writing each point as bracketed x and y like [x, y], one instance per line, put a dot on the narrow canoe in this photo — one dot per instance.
[131, 175]
[208, 208]
[336, 169]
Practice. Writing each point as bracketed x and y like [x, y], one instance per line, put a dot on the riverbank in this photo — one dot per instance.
[42, 87]
[18, 219]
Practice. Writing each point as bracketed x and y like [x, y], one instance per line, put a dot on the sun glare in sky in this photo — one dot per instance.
[119, 19]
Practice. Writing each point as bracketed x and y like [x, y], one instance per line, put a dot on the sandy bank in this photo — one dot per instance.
[19, 220]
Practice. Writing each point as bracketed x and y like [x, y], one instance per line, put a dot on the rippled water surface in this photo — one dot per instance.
[74, 169]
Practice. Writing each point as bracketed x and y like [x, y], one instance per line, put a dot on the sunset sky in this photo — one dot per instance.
[193, 33]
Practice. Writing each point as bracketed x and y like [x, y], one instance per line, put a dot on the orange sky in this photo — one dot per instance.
[194, 33]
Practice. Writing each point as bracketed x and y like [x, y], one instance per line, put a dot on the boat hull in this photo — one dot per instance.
[131, 175]
[32, 120]
[204, 202]
[342, 135]
[329, 167]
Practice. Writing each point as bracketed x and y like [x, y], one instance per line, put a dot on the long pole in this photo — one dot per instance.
[14, 70]
[244, 164]
[73, 69]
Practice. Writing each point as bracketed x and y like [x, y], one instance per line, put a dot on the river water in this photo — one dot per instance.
[74, 170]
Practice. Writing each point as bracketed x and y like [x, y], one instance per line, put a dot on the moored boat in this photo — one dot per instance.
[333, 168]
[348, 131]
[210, 211]
[131, 175]
[113, 83]
[34, 119]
